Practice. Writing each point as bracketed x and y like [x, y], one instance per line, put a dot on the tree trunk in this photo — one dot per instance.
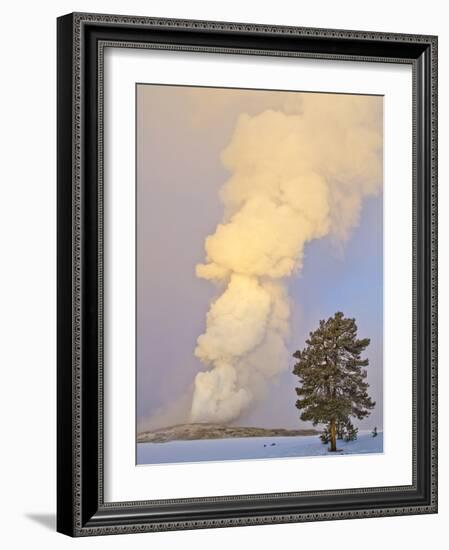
[333, 435]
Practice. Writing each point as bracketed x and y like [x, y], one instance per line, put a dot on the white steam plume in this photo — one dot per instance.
[294, 178]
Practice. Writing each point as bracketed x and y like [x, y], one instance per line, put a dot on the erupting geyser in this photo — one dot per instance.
[294, 178]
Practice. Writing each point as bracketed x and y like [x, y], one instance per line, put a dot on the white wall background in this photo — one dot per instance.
[28, 267]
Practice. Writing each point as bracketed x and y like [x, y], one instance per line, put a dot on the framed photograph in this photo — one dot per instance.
[247, 278]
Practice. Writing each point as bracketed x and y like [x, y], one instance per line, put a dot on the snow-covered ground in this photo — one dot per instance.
[252, 447]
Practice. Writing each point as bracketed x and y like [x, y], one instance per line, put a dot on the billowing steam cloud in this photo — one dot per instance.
[295, 177]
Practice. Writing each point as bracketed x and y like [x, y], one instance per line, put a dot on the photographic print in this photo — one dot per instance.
[259, 274]
[247, 276]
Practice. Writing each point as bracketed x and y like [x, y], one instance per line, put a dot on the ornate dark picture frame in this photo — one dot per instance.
[81, 510]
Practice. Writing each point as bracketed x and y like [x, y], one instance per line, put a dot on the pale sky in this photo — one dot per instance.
[181, 133]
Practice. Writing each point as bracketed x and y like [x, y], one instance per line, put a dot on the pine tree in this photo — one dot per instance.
[332, 380]
[325, 436]
[350, 431]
